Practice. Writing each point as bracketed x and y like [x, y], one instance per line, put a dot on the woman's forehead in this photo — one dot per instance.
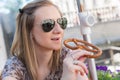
[46, 12]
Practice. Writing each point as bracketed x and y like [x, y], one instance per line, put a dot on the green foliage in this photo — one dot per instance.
[104, 74]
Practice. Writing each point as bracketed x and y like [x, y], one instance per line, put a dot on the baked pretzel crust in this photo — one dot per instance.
[84, 45]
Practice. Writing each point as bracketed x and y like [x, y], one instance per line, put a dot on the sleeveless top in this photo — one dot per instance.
[15, 68]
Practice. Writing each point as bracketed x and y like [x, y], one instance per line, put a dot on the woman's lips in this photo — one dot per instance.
[55, 39]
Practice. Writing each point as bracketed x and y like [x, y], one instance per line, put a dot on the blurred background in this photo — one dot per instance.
[105, 33]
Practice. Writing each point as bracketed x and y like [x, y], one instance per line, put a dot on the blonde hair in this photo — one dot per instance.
[22, 43]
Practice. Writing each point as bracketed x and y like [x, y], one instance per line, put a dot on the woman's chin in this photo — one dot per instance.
[57, 48]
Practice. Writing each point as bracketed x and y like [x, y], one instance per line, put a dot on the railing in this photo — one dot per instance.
[110, 55]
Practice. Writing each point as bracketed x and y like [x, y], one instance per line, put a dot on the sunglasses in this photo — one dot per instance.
[48, 24]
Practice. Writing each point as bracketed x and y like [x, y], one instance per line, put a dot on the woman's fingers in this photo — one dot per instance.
[75, 65]
[79, 69]
[78, 54]
[81, 64]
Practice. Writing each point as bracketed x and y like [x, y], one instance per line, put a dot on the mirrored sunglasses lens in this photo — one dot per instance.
[62, 22]
[48, 25]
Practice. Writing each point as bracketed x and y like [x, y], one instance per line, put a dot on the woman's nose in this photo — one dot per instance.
[57, 29]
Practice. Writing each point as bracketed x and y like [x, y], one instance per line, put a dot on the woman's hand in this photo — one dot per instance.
[74, 67]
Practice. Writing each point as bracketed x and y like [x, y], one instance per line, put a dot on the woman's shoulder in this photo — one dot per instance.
[14, 68]
[14, 61]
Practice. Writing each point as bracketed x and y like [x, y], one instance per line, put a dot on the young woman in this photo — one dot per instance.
[37, 48]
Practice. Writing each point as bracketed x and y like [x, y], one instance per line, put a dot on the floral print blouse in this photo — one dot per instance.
[15, 68]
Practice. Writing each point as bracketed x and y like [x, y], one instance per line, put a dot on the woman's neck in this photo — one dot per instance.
[43, 55]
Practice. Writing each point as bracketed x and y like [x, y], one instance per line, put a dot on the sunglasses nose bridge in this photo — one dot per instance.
[57, 27]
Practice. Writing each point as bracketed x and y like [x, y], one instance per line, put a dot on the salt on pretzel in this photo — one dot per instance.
[84, 45]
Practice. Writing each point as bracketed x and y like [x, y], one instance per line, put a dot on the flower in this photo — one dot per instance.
[104, 73]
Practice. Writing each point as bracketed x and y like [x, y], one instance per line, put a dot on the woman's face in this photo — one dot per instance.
[47, 40]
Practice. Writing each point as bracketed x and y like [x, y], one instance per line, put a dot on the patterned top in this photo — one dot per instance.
[15, 68]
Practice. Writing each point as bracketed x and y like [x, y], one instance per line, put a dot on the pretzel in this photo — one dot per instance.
[84, 45]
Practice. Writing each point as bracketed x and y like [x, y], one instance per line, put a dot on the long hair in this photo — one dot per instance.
[22, 46]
